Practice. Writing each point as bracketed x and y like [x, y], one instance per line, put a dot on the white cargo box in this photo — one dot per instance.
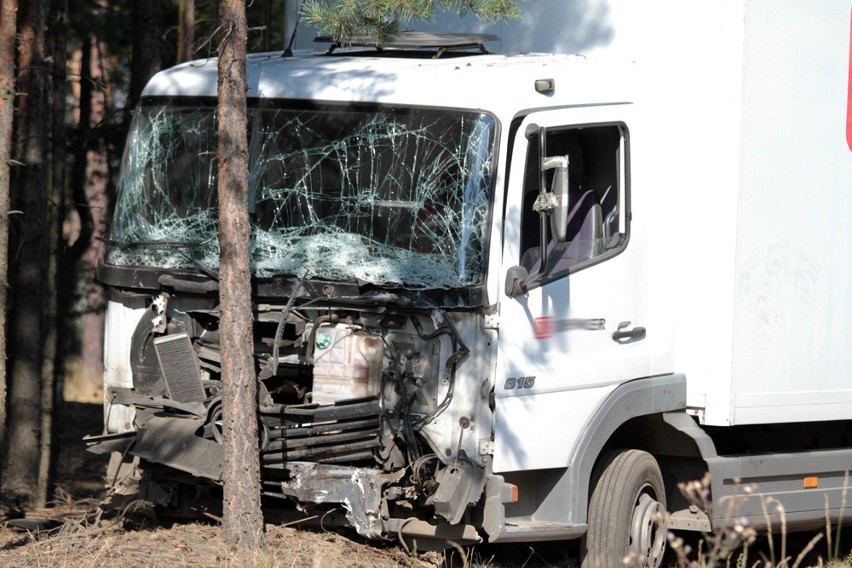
[742, 175]
[760, 223]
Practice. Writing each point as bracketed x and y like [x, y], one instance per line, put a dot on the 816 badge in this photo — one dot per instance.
[519, 383]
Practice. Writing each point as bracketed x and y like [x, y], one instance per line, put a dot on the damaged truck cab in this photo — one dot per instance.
[391, 379]
[375, 341]
[502, 297]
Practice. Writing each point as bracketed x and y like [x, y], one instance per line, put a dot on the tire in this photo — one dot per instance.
[626, 513]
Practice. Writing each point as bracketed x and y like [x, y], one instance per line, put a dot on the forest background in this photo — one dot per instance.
[71, 71]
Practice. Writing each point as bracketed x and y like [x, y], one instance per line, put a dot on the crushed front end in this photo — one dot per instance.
[372, 354]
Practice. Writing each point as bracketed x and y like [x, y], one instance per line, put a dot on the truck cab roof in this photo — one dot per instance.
[478, 81]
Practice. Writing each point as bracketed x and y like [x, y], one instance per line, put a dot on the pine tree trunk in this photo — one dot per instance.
[146, 46]
[242, 518]
[97, 199]
[186, 30]
[29, 260]
[8, 13]
[52, 359]
[75, 192]
[267, 26]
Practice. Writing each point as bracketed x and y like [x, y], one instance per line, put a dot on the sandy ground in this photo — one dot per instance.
[81, 539]
[74, 535]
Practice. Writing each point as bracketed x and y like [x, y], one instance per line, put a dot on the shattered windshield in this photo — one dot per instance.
[380, 195]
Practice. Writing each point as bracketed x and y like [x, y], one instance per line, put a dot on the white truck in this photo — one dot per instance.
[508, 297]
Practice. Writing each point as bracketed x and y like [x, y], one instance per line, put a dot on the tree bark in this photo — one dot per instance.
[8, 13]
[97, 177]
[242, 518]
[76, 193]
[267, 26]
[186, 30]
[29, 264]
[52, 359]
[147, 15]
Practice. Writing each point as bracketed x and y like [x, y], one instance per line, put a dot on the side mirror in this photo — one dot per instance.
[517, 279]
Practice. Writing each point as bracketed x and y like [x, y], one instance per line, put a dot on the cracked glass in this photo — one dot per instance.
[379, 195]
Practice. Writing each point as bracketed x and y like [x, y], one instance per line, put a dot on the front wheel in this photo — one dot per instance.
[626, 513]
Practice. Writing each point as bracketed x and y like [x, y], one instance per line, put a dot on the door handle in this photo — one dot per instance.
[624, 336]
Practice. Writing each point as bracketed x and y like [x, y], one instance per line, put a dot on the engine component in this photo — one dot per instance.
[179, 364]
[347, 363]
[343, 432]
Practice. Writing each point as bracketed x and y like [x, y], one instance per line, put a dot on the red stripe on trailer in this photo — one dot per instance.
[849, 93]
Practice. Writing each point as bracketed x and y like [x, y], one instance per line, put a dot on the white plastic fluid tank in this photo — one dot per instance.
[347, 364]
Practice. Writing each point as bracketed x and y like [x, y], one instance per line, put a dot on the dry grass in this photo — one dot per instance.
[737, 546]
[79, 545]
[86, 541]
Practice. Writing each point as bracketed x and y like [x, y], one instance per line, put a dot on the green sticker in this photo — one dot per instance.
[323, 340]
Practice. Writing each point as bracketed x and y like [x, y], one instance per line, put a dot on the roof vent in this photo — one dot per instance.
[414, 43]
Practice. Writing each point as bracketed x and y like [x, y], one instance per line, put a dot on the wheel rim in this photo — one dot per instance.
[647, 537]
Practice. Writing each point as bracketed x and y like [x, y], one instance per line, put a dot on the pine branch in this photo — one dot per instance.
[380, 20]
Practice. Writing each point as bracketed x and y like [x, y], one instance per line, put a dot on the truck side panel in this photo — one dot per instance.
[750, 106]
[791, 357]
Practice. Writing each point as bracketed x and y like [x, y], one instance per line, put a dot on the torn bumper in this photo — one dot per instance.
[358, 490]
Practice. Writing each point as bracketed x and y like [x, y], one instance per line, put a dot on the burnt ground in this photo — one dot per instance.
[71, 532]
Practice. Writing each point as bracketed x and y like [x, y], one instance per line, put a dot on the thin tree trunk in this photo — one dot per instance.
[76, 192]
[74, 198]
[29, 264]
[97, 199]
[242, 519]
[186, 30]
[146, 46]
[8, 13]
[267, 26]
[52, 359]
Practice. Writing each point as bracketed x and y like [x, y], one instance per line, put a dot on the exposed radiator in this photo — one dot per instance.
[346, 431]
[179, 365]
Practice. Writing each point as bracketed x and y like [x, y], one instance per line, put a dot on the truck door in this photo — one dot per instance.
[578, 328]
